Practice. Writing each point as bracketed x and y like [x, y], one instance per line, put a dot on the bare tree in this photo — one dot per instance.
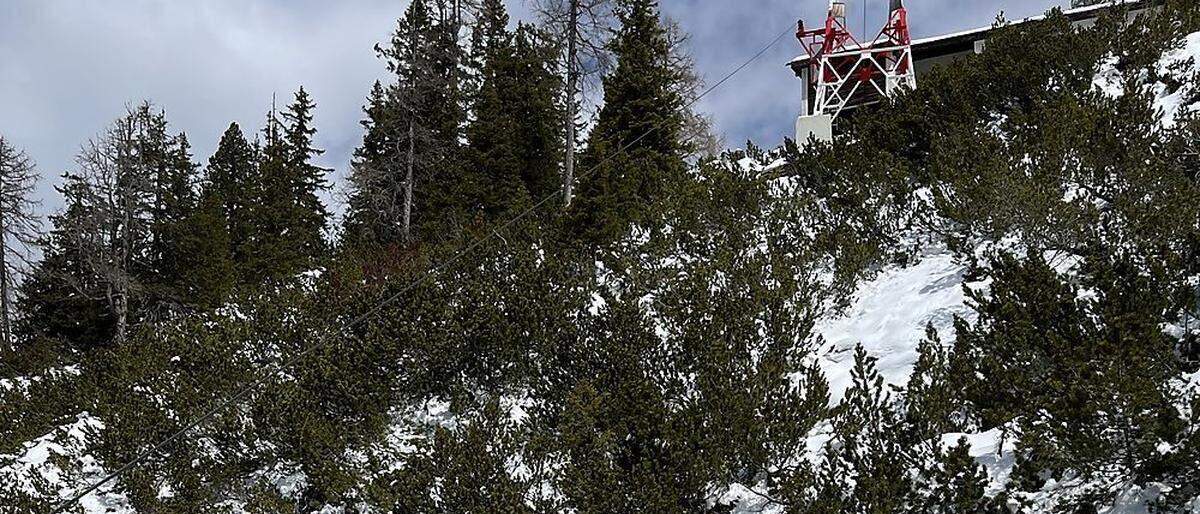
[586, 26]
[701, 139]
[19, 227]
[111, 227]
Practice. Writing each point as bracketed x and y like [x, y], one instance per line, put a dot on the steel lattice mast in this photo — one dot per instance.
[841, 73]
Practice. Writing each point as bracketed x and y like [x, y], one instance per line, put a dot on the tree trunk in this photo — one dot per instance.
[572, 84]
[5, 322]
[121, 308]
[408, 186]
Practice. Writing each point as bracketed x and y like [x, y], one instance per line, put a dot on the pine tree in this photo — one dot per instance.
[1060, 363]
[309, 215]
[174, 204]
[271, 214]
[233, 181]
[493, 177]
[61, 299]
[98, 260]
[376, 202]
[205, 253]
[538, 109]
[287, 217]
[958, 485]
[867, 447]
[514, 139]
[585, 26]
[636, 149]
[411, 155]
[113, 229]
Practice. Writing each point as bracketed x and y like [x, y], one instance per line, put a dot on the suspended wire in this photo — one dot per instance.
[329, 337]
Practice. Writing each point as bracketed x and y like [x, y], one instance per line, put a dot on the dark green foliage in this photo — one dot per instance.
[287, 217]
[115, 248]
[957, 485]
[869, 448]
[465, 469]
[515, 137]
[675, 359]
[931, 400]
[206, 252]
[413, 124]
[233, 178]
[629, 170]
[55, 306]
[308, 216]
[1086, 376]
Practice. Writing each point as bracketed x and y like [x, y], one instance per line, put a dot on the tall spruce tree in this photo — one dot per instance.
[288, 217]
[60, 299]
[411, 155]
[514, 138]
[309, 216]
[376, 202]
[271, 256]
[232, 181]
[174, 203]
[637, 148]
[493, 177]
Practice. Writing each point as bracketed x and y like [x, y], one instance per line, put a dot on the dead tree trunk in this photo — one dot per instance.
[5, 310]
[408, 185]
[19, 228]
[572, 84]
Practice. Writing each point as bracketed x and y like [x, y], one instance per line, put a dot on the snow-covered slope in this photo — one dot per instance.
[51, 464]
[889, 316]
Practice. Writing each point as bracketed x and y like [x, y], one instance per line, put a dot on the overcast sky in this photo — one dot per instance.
[68, 67]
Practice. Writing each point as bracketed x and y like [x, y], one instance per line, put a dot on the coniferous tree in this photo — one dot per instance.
[271, 213]
[637, 148]
[585, 26]
[868, 442]
[60, 298]
[309, 215]
[19, 228]
[288, 217]
[514, 139]
[174, 203]
[493, 176]
[537, 105]
[411, 156]
[1087, 378]
[233, 181]
[206, 253]
[102, 245]
[957, 485]
[376, 203]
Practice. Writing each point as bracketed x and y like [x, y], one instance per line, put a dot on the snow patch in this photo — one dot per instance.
[993, 450]
[888, 318]
[1179, 64]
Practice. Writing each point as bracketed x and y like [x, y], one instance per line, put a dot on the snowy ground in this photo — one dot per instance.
[56, 460]
[889, 316]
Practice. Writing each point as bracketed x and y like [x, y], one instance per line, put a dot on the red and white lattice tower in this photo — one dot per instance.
[842, 73]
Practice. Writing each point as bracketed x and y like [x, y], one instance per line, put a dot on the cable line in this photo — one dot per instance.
[328, 337]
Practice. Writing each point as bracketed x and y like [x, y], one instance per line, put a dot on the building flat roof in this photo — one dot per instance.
[935, 45]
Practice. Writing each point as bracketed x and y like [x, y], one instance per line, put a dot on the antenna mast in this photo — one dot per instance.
[841, 73]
